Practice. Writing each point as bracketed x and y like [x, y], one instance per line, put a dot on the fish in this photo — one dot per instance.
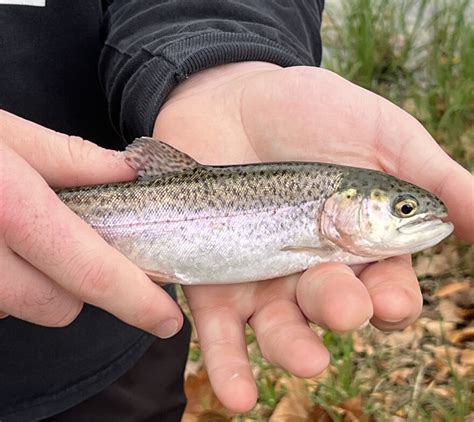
[188, 223]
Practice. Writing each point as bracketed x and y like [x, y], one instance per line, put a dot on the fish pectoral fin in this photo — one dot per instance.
[322, 251]
[152, 158]
[162, 279]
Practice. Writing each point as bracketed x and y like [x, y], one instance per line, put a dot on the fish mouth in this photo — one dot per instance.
[422, 226]
[427, 225]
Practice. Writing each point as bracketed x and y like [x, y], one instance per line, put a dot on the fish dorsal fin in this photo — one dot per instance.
[152, 158]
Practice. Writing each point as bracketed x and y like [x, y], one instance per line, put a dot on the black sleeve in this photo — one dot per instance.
[152, 45]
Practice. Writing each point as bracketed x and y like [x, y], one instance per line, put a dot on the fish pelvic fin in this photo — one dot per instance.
[162, 279]
[152, 158]
[323, 251]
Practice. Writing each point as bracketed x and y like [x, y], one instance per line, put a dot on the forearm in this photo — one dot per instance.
[151, 46]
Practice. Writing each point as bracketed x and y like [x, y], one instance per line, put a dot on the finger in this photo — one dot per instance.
[47, 234]
[332, 296]
[286, 340]
[221, 334]
[29, 295]
[62, 160]
[395, 292]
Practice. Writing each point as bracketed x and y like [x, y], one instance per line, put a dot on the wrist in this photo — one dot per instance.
[202, 115]
[215, 76]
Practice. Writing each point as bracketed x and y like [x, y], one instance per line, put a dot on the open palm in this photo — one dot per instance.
[249, 112]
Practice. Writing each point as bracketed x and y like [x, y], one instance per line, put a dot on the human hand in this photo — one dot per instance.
[249, 112]
[50, 260]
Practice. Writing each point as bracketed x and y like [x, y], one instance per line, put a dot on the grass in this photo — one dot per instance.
[342, 384]
[420, 55]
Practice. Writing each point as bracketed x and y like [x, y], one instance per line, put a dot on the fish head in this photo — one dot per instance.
[384, 216]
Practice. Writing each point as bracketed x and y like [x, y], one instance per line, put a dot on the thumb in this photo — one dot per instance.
[61, 160]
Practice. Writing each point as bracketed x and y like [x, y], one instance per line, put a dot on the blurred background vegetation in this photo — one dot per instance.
[420, 55]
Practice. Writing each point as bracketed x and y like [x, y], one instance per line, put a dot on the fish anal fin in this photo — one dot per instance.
[152, 158]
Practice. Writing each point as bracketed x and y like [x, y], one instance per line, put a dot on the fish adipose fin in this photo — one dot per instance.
[152, 158]
[323, 251]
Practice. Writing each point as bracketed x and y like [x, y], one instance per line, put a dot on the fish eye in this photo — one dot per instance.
[406, 207]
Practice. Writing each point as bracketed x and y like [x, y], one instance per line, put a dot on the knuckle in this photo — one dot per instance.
[79, 151]
[24, 230]
[217, 344]
[90, 275]
[53, 307]
[65, 315]
[20, 215]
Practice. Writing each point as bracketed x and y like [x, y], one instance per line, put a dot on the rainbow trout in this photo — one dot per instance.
[187, 223]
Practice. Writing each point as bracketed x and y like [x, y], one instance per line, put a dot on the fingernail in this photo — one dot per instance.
[393, 321]
[167, 328]
[364, 324]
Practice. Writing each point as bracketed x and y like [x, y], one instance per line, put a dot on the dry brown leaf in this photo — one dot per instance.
[319, 414]
[436, 417]
[295, 405]
[434, 265]
[443, 391]
[313, 383]
[400, 376]
[437, 328]
[465, 314]
[449, 311]
[354, 410]
[402, 413]
[202, 401]
[287, 411]
[469, 418]
[465, 298]
[460, 336]
[212, 416]
[360, 345]
[409, 338]
[192, 368]
[446, 360]
[442, 373]
[451, 288]
[445, 352]
[467, 357]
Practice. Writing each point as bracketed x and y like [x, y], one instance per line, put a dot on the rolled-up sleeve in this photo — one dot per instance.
[150, 46]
